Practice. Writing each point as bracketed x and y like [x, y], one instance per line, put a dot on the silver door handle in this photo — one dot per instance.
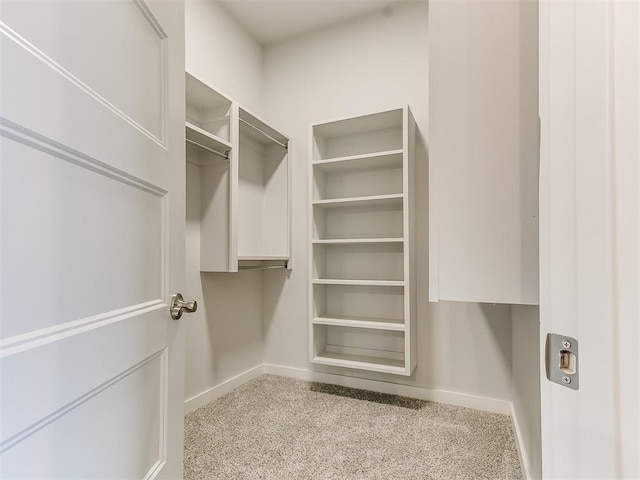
[178, 306]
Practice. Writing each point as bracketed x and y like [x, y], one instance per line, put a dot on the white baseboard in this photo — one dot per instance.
[440, 396]
[522, 454]
[211, 394]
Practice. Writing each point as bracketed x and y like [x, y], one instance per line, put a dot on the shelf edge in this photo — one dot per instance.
[366, 324]
[363, 156]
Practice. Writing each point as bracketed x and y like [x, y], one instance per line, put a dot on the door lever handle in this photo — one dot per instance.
[179, 306]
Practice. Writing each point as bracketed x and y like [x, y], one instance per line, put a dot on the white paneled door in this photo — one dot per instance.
[590, 234]
[92, 238]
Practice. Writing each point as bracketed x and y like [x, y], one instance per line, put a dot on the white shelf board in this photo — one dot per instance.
[360, 322]
[371, 200]
[369, 161]
[208, 139]
[257, 123]
[261, 258]
[199, 93]
[374, 364]
[361, 283]
[356, 241]
[362, 124]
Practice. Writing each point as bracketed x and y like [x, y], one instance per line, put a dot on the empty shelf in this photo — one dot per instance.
[200, 94]
[369, 161]
[372, 200]
[259, 130]
[356, 241]
[363, 283]
[206, 139]
[388, 119]
[374, 364]
[261, 258]
[361, 322]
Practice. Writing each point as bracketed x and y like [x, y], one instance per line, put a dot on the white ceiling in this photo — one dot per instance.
[270, 21]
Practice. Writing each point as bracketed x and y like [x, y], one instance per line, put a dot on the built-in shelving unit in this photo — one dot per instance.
[363, 306]
[245, 183]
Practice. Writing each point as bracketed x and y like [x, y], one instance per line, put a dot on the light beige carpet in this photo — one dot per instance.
[278, 428]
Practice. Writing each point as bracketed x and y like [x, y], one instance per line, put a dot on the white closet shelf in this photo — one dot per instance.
[366, 123]
[202, 95]
[371, 201]
[357, 241]
[369, 161]
[206, 139]
[260, 131]
[361, 283]
[374, 364]
[360, 322]
[262, 257]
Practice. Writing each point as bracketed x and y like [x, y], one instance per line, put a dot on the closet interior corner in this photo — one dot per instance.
[244, 175]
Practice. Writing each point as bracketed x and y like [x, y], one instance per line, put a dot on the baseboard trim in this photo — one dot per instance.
[211, 394]
[440, 396]
[522, 455]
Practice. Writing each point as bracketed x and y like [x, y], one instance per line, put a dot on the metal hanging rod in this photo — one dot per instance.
[224, 155]
[260, 267]
[263, 267]
[283, 145]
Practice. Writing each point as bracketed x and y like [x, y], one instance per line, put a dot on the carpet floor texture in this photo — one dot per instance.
[277, 428]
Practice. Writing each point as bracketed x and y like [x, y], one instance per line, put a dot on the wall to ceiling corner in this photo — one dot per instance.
[224, 337]
[221, 51]
[368, 64]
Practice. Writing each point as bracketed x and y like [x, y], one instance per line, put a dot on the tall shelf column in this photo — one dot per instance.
[362, 276]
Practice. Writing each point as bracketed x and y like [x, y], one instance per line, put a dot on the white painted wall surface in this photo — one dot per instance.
[525, 391]
[222, 52]
[224, 337]
[373, 63]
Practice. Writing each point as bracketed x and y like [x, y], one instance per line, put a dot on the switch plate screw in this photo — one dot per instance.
[566, 379]
[566, 344]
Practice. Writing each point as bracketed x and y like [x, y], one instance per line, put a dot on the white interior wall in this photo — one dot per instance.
[525, 393]
[222, 52]
[373, 63]
[224, 337]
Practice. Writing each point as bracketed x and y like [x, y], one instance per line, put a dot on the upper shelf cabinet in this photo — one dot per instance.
[483, 153]
[245, 182]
